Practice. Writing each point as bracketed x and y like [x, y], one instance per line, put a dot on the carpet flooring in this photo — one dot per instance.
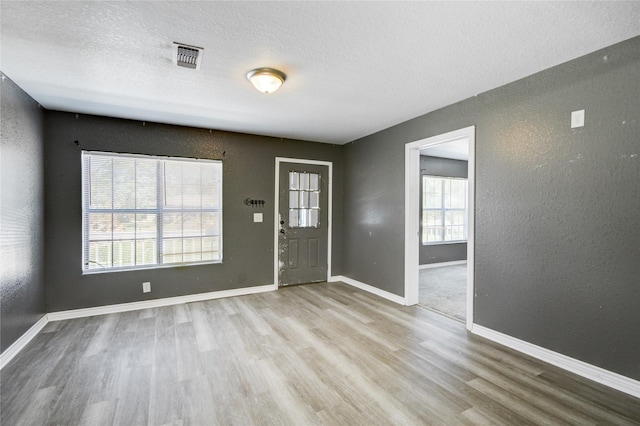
[444, 289]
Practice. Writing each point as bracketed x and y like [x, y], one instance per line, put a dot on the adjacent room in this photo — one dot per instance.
[444, 217]
[319, 213]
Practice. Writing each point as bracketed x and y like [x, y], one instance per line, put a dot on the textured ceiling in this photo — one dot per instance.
[353, 67]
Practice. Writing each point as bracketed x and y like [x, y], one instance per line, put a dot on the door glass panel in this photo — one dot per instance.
[293, 180]
[313, 218]
[314, 200]
[304, 199]
[303, 218]
[314, 184]
[304, 181]
[294, 197]
[293, 218]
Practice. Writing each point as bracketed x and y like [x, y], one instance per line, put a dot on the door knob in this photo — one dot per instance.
[282, 231]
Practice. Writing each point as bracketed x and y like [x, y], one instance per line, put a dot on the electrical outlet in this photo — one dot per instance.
[146, 287]
[577, 119]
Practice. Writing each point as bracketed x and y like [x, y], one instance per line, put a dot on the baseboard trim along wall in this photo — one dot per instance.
[369, 288]
[440, 264]
[19, 344]
[156, 303]
[581, 368]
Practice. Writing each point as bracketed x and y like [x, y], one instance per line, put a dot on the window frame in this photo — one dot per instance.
[159, 210]
[311, 206]
[443, 210]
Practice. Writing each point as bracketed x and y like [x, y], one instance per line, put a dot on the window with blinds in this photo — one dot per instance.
[143, 211]
[444, 210]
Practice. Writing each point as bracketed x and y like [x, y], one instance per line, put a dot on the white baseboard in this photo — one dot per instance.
[591, 372]
[440, 264]
[369, 288]
[156, 303]
[19, 344]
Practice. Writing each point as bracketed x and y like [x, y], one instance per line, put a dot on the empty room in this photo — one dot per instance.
[319, 213]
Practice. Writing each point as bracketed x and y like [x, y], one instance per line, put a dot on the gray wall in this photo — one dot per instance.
[248, 171]
[21, 213]
[557, 223]
[446, 167]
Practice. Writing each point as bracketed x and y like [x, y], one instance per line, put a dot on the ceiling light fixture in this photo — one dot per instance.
[266, 80]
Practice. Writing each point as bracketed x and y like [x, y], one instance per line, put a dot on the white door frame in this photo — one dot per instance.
[412, 219]
[276, 225]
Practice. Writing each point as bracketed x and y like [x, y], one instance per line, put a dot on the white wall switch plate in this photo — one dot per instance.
[146, 287]
[257, 217]
[577, 119]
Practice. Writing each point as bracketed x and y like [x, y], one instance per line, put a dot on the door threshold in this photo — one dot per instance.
[294, 285]
[444, 314]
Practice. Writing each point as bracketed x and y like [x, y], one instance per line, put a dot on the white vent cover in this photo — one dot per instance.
[187, 56]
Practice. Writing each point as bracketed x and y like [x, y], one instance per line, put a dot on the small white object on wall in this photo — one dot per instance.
[257, 217]
[577, 119]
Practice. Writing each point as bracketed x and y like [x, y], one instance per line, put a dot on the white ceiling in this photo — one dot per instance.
[456, 150]
[353, 67]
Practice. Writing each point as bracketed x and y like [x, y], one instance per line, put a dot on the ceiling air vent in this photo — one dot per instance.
[187, 56]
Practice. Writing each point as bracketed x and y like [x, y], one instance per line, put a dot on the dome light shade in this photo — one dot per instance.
[266, 80]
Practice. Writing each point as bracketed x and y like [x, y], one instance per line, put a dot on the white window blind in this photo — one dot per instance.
[143, 211]
[444, 210]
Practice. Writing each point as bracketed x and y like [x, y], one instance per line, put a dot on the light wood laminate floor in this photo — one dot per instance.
[317, 354]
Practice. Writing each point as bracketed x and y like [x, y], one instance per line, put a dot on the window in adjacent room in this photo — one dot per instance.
[143, 211]
[444, 210]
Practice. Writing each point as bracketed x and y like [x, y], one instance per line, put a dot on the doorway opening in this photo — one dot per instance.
[439, 223]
